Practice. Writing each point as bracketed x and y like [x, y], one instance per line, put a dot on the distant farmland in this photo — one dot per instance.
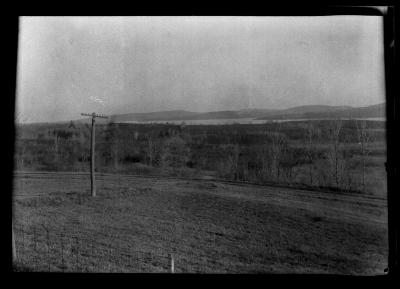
[208, 226]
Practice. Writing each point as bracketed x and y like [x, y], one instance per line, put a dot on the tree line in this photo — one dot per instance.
[334, 154]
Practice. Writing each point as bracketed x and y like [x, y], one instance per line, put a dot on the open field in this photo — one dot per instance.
[208, 226]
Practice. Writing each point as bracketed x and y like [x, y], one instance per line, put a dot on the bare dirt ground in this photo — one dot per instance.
[208, 226]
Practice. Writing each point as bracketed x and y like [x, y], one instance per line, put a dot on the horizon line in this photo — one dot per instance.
[158, 111]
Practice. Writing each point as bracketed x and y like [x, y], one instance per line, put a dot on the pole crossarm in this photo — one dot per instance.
[94, 115]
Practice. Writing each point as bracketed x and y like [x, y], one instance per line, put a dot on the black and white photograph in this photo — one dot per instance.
[201, 145]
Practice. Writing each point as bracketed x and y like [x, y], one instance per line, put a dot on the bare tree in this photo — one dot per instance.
[150, 150]
[311, 139]
[114, 143]
[277, 143]
[176, 152]
[154, 149]
[56, 146]
[233, 161]
[334, 151]
[61, 138]
[83, 148]
[116, 152]
[136, 135]
[22, 151]
[363, 140]
[265, 158]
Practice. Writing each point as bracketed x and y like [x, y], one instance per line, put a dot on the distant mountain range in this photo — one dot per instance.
[328, 112]
[299, 112]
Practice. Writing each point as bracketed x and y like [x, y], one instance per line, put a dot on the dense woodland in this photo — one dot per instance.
[344, 155]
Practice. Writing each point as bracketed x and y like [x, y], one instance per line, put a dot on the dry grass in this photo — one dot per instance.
[209, 227]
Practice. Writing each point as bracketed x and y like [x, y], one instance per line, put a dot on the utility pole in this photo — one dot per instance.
[92, 145]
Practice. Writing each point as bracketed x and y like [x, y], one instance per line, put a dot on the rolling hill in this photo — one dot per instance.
[188, 115]
[160, 115]
[309, 111]
[329, 112]
[298, 112]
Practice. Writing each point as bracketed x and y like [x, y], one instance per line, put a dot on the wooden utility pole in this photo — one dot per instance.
[92, 155]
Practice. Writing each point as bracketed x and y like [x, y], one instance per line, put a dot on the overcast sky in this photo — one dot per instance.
[111, 65]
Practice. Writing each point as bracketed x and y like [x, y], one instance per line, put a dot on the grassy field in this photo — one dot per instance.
[208, 226]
